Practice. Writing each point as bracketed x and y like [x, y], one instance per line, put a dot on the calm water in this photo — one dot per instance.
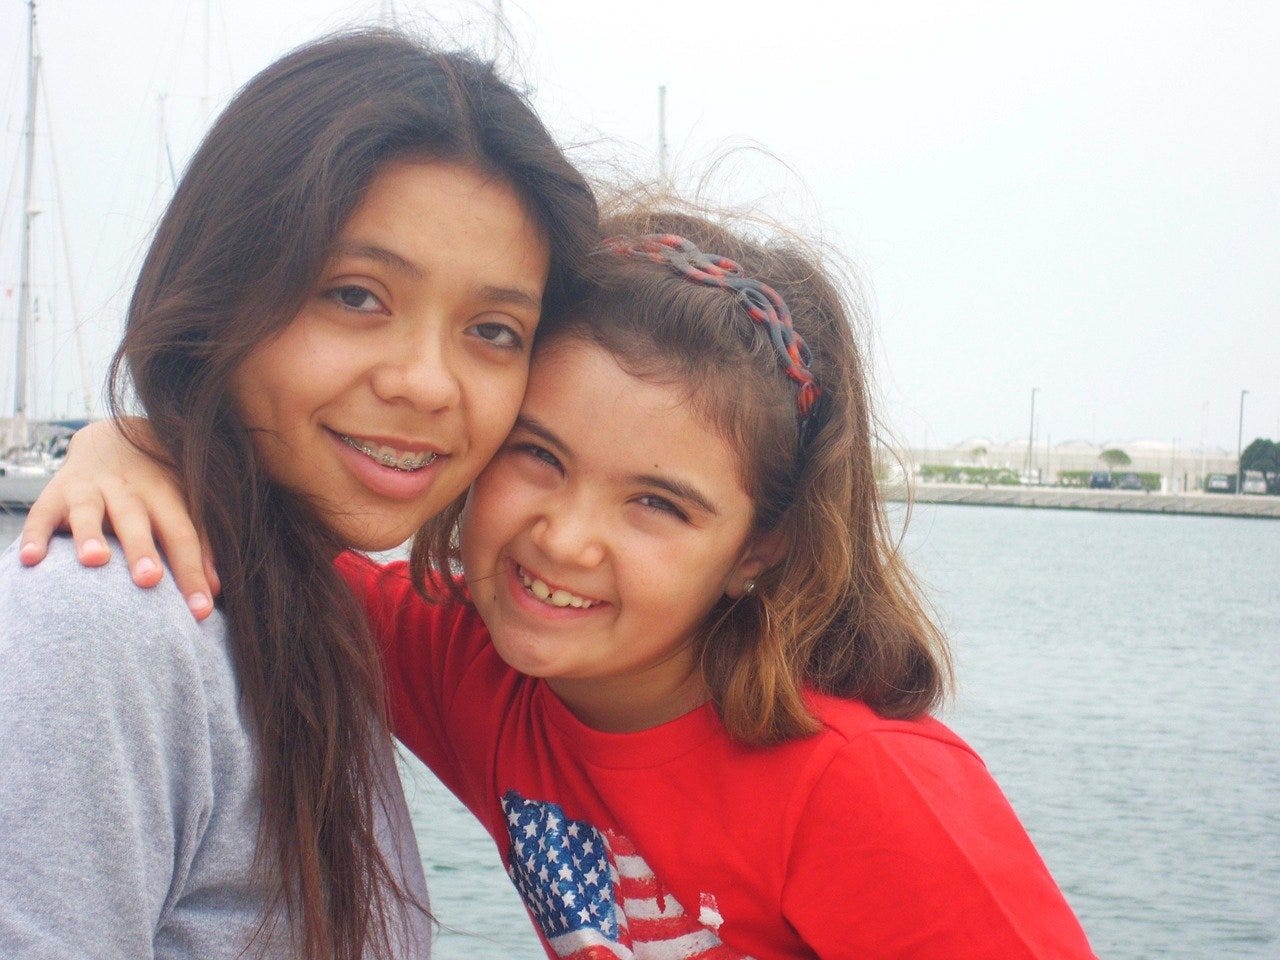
[1119, 673]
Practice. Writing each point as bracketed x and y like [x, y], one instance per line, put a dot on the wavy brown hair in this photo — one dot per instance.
[839, 612]
[234, 258]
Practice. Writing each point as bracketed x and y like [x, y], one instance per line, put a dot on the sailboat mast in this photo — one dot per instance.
[662, 136]
[19, 426]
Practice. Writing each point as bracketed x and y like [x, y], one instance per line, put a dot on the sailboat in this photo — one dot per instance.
[30, 452]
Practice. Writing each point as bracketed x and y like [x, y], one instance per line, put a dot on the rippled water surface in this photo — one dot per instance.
[1119, 673]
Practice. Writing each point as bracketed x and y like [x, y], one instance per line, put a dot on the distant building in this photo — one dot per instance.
[1179, 468]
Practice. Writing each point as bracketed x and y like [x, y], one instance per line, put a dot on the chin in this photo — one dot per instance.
[372, 538]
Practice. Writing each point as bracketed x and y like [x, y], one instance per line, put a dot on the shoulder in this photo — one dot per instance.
[886, 768]
[850, 726]
[60, 584]
[67, 621]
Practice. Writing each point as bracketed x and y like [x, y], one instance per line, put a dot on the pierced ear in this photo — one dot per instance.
[758, 555]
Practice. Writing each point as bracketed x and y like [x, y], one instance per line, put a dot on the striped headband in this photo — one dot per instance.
[763, 304]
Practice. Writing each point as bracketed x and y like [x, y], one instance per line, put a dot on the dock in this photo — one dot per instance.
[1076, 498]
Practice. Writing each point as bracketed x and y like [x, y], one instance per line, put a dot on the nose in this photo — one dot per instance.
[419, 367]
[569, 531]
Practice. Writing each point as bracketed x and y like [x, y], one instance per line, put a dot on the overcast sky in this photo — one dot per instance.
[1081, 198]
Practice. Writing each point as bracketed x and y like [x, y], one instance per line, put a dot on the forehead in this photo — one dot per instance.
[438, 212]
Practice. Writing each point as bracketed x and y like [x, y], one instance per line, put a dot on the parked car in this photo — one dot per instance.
[1131, 481]
[1220, 483]
[1100, 480]
[1254, 482]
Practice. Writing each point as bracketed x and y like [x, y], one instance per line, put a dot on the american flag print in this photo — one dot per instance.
[593, 895]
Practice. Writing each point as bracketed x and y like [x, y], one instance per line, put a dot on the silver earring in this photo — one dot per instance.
[748, 588]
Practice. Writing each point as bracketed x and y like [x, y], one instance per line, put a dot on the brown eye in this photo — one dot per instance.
[355, 298]
[541, 454]
[498, 334]
[661, 505]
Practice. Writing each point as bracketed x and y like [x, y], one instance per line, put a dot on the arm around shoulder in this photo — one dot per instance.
[104, 763]
[907, 848]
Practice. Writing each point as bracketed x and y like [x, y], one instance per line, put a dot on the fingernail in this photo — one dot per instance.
[197, 603]
[92, 546]
[145, 567]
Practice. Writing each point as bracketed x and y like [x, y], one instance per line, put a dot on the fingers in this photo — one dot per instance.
[46, 516]
[188, 555]
[106, 478]
[210, 572]
[64, 503]
[84, 515]
[132, 526]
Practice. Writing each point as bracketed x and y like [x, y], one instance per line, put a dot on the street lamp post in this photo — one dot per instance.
[1240, 447]
[1031, 435]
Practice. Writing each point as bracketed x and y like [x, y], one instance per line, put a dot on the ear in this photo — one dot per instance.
[760, 553]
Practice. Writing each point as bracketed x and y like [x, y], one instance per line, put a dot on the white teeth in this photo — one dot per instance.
[390, 456]
[555, 598]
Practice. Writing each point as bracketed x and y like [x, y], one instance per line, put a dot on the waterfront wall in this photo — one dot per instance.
[1067, 498]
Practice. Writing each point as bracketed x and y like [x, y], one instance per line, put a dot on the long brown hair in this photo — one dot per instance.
[840, 611]
[237, 252]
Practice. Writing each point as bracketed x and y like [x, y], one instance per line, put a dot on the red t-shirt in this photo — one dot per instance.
[873, 838]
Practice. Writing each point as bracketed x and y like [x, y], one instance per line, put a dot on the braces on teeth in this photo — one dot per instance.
[408, 462]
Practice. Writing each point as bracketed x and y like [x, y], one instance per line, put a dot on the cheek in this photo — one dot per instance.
[277, 377]
[498, 508]
[254, 393]
[680, 577]
[475, 536]
[496, 402]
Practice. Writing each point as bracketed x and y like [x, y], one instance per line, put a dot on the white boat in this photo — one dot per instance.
[20, 484]
[26, 469]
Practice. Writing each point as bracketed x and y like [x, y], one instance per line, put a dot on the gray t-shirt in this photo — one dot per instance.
[129, 801]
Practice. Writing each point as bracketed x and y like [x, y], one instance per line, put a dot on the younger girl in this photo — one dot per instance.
[688, 697]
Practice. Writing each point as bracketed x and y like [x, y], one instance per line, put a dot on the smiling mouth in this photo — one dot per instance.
[552, 596]
[389, 456]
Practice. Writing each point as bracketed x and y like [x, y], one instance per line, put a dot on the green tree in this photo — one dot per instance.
[1264, 456]
[1114, 457]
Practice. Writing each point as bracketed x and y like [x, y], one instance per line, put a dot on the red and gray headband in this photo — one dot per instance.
[763, 304]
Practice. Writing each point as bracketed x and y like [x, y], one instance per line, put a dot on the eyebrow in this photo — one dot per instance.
[511, 296]
[677, 488]
[388, 258]
[490, 293]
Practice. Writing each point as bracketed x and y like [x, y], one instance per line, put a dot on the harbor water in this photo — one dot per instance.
[1119, 673]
